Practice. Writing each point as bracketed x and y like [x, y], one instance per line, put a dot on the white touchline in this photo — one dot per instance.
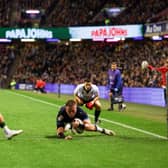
[103, 119]
[136, 129]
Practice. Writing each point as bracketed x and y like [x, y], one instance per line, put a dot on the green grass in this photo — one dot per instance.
[38, 146]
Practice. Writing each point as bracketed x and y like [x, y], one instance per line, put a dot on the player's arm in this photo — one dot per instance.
[76, 91]
[61, 135]
[60, 132]
[159, 69]
[76, 97]
[96, 94]
[61, 127]
[119, 81]
[90, 104]
[95, 99]
[152, 68]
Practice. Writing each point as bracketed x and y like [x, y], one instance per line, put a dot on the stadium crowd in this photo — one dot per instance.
[71, 63]
[79, 12]
[142, 12]
[7, 58]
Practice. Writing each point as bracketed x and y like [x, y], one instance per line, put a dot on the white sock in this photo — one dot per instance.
[6, 129]
[99, 129]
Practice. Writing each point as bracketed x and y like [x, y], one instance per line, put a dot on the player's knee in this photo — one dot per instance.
[79, 102]
[98, 105]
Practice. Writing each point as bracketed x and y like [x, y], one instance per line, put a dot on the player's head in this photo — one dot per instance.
[113, 65]
[71, 108]
[87, 85]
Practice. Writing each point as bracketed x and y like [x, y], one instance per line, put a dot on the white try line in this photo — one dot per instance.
[103, 119]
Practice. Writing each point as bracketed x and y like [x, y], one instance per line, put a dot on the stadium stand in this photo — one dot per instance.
[60, 62]
[55, 63]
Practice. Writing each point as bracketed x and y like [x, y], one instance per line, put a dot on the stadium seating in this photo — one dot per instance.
[71, 63]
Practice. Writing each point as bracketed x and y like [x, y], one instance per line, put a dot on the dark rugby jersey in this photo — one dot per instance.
[63, 118]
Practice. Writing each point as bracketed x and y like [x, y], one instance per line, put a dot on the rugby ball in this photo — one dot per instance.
[144, 64]
[77, 126]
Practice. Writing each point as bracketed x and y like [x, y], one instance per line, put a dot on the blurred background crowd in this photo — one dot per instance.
[71, 63]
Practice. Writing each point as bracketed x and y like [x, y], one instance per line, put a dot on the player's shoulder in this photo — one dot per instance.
[81, 112]
[118, 71]
[94, 86]
[80, 85]
[62, 110]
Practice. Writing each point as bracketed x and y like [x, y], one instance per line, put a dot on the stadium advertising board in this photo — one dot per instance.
[151, 96]
[34, 33]
[156, 29]
[106, 32]
[85, 32]
[23, 86]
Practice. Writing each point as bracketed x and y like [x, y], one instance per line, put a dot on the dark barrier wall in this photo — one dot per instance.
[150, 96]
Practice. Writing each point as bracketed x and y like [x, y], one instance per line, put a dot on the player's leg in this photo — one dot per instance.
[42, 90]
[8, 132]
[111, 108]
[91, 127]
[97, 111]
[79, 126]
[165, 96]
[121, 105]
[36, 89]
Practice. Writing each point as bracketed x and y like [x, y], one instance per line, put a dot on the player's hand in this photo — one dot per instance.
[68, 137]
[89, 105]
[144, 64]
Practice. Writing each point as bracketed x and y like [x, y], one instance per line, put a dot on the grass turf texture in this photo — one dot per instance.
[38, 146]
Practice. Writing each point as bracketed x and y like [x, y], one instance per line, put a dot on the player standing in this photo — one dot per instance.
[163, 70]
[115, 85]
[88, 94]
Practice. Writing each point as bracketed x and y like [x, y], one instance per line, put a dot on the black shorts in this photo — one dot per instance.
[119, 92]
